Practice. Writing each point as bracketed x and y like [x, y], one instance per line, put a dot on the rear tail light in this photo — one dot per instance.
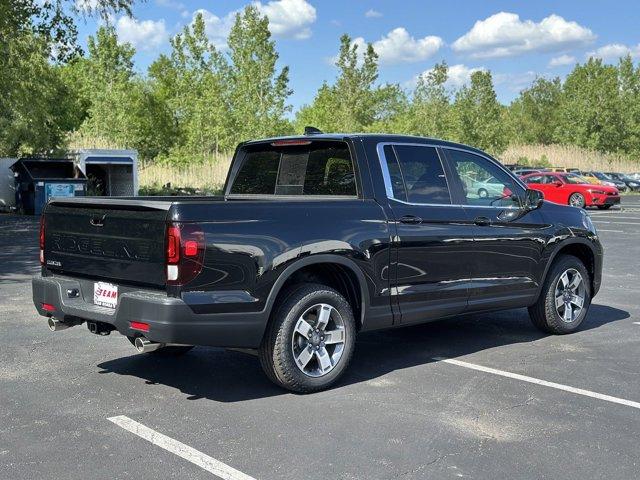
[42, 239]
[185, 252]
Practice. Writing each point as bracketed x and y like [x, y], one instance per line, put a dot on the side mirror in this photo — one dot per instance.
[533, 199]
[557, 183]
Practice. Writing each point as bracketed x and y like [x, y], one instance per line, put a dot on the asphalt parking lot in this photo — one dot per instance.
[510, 402]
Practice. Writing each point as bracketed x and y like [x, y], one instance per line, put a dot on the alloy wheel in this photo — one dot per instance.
[318, 340]
[570, 294]
[576, 200]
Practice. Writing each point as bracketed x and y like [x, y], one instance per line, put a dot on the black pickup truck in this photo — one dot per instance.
[316, 238]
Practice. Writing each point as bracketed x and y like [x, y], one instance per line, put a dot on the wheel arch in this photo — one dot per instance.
[335, 271]
[579, 248]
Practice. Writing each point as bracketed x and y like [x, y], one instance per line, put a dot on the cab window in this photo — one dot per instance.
[416, 174]
[483, 182]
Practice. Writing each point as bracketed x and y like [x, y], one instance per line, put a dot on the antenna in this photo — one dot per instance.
[312, 130]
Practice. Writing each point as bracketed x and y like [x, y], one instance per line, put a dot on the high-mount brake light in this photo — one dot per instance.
[185, 252]
[289, 143]
[42, 232]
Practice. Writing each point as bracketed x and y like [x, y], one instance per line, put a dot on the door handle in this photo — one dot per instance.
[482, 221]
[410, 219]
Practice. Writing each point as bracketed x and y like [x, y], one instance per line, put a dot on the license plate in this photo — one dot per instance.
[105, 294]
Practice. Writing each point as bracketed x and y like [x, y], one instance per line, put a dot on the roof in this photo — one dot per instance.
[370, 137]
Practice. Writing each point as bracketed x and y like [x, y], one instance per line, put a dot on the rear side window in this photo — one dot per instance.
[319, 168]
[416, 174]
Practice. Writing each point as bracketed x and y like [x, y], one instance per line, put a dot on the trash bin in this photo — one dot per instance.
[39, 179]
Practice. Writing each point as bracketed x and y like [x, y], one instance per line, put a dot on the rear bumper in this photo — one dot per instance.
[170, 320]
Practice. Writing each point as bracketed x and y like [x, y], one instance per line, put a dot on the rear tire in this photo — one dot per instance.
[577, 200]
[567, 286]
[483, 193]
[310, 339]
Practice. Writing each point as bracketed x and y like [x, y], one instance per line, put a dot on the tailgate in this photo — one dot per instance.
[120, 241]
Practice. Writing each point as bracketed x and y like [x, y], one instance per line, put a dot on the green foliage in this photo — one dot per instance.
[354, 103]
[534, 114]
[478, 115]
[542, 162]
[257, 92]
[430, 113]
[590, 114]
[197, 101]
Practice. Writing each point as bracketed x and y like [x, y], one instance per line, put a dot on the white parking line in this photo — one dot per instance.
[636, 323]
[558, 386]
[605, 230]
[608, 216]
[211, 465]
[618, 223]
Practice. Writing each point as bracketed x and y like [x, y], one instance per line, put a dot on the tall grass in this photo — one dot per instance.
[570, 156]
[209, 175]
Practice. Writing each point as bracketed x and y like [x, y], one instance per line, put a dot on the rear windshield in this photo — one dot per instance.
[318, 168]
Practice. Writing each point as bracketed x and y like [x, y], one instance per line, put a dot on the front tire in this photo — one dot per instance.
[310, 339]
[483, 193]
[565, 298]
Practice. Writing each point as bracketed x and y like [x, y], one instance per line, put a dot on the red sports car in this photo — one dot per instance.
[571, 189]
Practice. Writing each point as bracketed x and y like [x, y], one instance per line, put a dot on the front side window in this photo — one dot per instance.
[484, 183]
[316, 168]
[417, 175]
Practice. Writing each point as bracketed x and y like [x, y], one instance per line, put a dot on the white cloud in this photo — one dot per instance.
[371, 13]
[458, 75]
[289, 18]
[562, 60]
[400, 47]
[217, 29]
[144, 35]
[614, 51]
[504, 35]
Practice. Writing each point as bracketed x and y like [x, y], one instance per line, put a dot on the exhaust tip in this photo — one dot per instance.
[145, 346]
[56, 325]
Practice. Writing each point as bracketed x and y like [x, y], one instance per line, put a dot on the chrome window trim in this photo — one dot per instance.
[386, 177]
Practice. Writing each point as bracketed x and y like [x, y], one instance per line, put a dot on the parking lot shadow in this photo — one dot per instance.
[230, 376]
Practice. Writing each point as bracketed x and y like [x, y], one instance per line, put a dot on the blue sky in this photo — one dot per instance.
[516, 40]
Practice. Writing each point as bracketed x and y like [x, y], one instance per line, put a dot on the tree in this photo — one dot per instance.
[257, 91]
[353, 103]
[533, 115]
[478, 115]
[191, 83]
[430, 111]
[590, 112]
[629, 80]
[118, 106]
[33, 98]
